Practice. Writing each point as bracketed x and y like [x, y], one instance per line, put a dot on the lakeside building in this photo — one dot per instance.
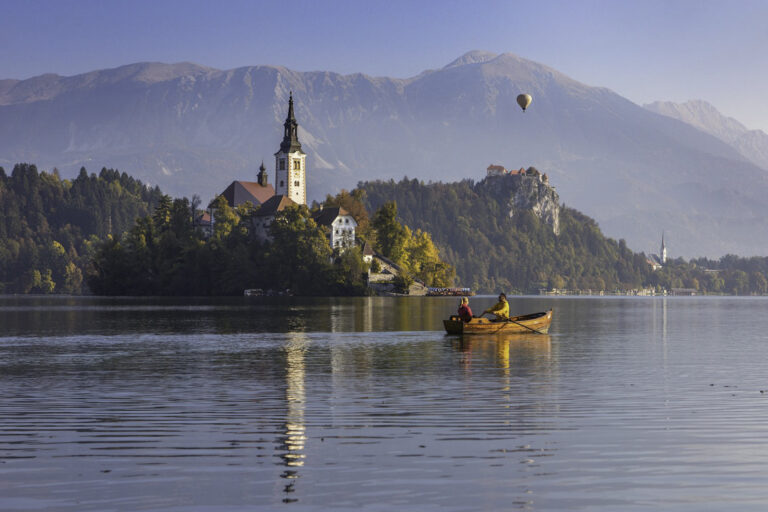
[290, 189]
[341, 225]
[657, 261]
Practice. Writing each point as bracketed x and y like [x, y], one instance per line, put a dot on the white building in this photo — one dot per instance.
[341, 224]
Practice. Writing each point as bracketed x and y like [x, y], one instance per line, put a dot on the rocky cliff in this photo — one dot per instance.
[525, 191]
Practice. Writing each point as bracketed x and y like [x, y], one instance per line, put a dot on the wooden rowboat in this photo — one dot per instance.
[535, 322]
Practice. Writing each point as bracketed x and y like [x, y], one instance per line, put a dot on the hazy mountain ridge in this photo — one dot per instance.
[752, 144]
[193, 129]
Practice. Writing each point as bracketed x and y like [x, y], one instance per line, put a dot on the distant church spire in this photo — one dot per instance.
[663, 251]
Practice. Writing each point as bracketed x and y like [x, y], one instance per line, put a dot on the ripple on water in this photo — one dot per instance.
[627, 405]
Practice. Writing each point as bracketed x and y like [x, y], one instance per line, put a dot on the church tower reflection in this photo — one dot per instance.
[291, 441]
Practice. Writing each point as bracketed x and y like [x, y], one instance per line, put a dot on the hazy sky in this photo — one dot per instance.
[645, 50]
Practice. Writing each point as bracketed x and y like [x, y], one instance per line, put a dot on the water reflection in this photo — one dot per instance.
[291, 441]
[630, 403]
[519, 348]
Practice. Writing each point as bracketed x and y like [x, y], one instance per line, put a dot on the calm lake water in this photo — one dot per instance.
[340, 404]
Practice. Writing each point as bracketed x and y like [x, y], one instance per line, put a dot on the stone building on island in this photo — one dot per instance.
[290, 188]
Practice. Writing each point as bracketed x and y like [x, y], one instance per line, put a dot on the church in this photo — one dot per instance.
[657, 261]
[290, 189]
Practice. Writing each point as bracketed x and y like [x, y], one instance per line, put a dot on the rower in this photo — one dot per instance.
[465, 312]
[500, 309]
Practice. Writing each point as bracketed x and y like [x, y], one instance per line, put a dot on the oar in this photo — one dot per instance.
[521, 325]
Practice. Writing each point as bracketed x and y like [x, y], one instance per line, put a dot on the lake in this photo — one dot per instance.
[137, 404]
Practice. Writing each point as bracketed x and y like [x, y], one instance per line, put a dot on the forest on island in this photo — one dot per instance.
[166, 254]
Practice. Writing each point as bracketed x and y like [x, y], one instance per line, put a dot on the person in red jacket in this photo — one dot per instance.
[465, 313]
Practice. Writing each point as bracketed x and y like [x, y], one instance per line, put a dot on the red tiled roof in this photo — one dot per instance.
[204, 218]
[273, 205]
[239, 192]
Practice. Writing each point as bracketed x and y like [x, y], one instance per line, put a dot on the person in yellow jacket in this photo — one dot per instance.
[501, 309]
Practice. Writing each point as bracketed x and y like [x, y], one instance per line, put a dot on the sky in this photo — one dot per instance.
[645, 50]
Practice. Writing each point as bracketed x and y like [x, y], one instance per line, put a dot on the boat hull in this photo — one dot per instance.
[533, 323]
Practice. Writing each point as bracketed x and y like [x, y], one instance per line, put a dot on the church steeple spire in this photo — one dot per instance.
[290, 142]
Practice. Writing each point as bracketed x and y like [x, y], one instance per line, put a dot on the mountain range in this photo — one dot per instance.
[192, 130]
[752, 144]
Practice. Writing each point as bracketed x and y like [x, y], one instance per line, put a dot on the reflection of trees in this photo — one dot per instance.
[291, 441]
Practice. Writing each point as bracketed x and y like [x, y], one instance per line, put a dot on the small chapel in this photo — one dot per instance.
[290, 188]
[657, 261]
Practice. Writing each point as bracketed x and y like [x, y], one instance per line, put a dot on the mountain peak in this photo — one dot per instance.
[152, 72]
[472, 57]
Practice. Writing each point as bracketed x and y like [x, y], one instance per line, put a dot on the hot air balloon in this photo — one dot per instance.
[524, 100]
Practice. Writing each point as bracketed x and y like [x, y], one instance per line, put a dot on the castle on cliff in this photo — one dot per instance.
[525, 190]
[498, 170]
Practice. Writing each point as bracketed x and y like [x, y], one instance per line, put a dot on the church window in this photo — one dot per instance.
[296, 183]
[282, 183]
[282, 164]
[297, 165]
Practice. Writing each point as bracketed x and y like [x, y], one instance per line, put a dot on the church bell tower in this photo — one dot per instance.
[290, 161]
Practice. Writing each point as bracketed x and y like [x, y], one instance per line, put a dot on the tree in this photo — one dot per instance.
[162, 214]
[758, 283]
[424, 260]
[390, 234]
[299, 254]
[73, 279]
